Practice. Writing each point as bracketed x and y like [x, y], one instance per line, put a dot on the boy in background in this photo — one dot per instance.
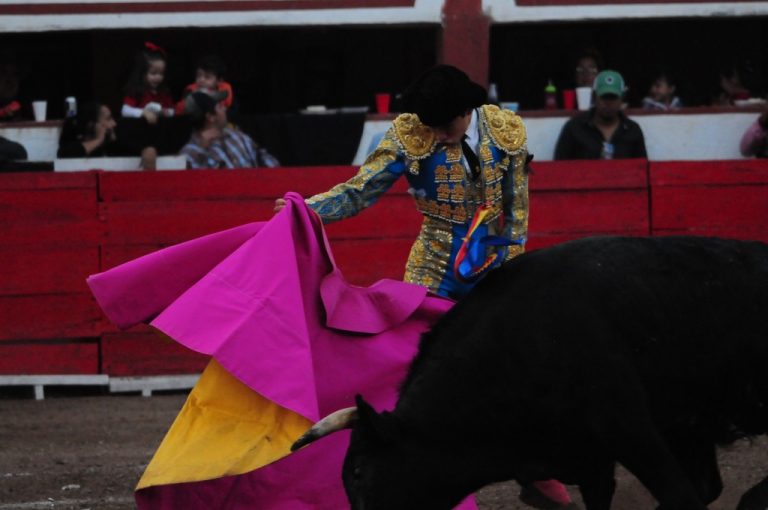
[209, 77]
[661, 95]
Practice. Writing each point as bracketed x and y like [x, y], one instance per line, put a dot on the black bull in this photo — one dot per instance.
[648, 352]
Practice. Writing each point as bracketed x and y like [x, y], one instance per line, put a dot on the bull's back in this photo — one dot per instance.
[682, 318]
[677, 280]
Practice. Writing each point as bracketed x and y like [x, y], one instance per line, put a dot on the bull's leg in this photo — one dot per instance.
[755, 498]
[597, 490]
[698, 458]
[644, 454]
[631, 435]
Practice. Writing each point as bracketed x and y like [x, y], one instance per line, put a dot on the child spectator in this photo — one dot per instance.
[209, 77]
[91, 134]
[146, 94]
[661, 95]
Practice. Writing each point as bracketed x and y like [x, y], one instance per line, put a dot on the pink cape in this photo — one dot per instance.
[268, 303]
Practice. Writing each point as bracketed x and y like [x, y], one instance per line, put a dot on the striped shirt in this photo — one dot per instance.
[234, 149]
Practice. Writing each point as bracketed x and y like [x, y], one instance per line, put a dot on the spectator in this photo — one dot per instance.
[91, 134]
[604, 132]
[755, 139]
[209, 76]
[214, 144]
[146, 94]
[588, 64]
[9, 89]
[661, 95]
[734, 83]
[11, 151]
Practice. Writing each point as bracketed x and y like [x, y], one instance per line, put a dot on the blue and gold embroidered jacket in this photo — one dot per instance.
[443, 192]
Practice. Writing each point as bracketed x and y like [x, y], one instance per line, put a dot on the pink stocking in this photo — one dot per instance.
[554, 491]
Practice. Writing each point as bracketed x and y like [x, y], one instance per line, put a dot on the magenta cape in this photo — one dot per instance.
[267, 302]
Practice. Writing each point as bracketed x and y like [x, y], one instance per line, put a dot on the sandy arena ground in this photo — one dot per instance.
[87, 452]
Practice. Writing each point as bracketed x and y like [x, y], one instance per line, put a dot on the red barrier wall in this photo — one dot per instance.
[59, 228]
[572, 199]
[716, 198]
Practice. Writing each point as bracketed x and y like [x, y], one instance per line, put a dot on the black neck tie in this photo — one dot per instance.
[474, 163]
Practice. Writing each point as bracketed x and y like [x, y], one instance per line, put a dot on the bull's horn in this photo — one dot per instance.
[338, 420]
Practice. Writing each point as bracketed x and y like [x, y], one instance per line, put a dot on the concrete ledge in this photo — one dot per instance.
[146, 385]
[40, 381]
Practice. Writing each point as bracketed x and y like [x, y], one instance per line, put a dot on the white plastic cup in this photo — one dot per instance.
[71, 106]
[584, 98]
[39, 109]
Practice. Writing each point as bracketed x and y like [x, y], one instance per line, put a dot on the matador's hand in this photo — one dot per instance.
[279, 205]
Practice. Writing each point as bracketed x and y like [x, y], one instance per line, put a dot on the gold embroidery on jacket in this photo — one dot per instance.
[443, 192]
[453, 153]
[413, 137]
[505, 129]
[441, 173]
[457, 193]
[458, 173]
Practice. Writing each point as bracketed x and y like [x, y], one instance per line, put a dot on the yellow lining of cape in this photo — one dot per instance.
[225, 428]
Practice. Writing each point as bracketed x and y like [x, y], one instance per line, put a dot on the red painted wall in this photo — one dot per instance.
[465, 38]
[56, 229]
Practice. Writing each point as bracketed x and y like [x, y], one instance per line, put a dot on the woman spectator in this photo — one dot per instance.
[91, 133]
[735, 84]
[754, 142]
[10, 107]
[589, 62]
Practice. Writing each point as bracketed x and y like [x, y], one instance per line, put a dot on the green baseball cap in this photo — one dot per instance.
[609, 82]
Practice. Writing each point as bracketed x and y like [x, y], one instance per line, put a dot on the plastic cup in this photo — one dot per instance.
[569, 99]
[39, 109]
[584, 97]
[382, 103]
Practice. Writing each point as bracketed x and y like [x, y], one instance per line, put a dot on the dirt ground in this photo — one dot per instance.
[88, 451]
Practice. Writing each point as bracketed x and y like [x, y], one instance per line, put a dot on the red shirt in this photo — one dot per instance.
[164, 98]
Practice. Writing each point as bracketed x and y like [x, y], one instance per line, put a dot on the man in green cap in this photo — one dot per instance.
[604, 132]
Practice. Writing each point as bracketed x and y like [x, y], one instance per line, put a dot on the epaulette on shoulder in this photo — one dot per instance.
[413, 137]
[505, 128]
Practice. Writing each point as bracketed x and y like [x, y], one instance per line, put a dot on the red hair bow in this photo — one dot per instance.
[154, 47]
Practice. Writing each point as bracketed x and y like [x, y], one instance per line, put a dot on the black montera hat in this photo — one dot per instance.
[441, 94]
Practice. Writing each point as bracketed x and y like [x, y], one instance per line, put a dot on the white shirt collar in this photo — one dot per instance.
[472, 132]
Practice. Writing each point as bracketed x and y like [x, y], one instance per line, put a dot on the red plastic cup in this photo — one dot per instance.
[382, 103]
[569, 99]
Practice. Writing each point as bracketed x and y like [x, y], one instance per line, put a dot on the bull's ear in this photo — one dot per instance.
[367, 415]
[381, 427]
